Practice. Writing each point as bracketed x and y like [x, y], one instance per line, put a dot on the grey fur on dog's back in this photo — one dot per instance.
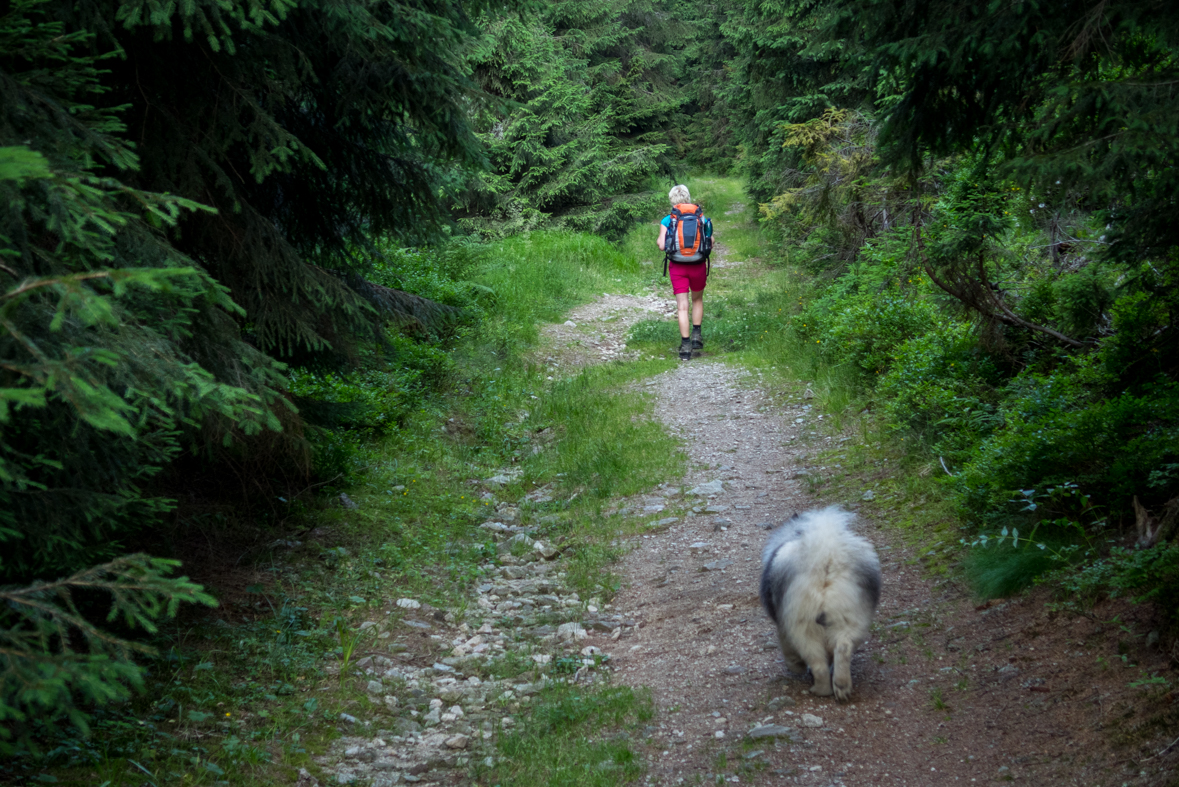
[820, 584]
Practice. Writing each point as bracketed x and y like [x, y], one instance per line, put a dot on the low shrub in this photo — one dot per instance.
[1060, 428]
[1139, 575]
[942, 386]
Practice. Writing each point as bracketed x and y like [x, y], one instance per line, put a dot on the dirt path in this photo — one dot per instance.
[944, 692]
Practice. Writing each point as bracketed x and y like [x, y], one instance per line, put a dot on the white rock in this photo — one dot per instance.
[457, 710]
[542, 658]
[811, 720]
[409, 603]
[715, 487]
[591, 650]
[570, 631]
[457, 742]
[570, 324]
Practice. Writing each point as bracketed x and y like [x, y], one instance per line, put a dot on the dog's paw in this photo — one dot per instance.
[822, 691]
[842, 690]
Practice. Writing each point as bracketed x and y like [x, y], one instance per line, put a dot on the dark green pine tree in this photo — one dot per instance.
[95, 387]
[311, 127]
[190, 191]
[784, 71]
[590, 110]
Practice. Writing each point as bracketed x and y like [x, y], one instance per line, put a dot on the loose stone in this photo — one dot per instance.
[811, 720]
[769, 731]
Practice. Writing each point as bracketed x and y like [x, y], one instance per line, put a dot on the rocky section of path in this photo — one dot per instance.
[596, 332]
[944, 692]
[429, 717]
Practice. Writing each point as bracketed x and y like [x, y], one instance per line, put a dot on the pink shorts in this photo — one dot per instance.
[687, 277]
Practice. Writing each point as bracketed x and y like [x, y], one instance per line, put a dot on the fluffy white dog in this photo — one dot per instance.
[820, 582]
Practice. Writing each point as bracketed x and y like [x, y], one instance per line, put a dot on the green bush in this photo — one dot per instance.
[1060, 428]
[941, 386]
[1140, 575]
[377, 396]
[1002, 571]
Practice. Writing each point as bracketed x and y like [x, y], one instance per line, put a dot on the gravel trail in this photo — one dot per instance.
[945, 692]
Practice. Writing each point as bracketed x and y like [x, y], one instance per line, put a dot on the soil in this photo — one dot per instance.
[947, 690]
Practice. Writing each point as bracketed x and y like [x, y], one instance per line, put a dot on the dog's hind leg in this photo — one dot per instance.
[793, 662]
[815, 655]
[843, 681]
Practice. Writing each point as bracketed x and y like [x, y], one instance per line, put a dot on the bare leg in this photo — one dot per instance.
[681, 305]
[697, 309]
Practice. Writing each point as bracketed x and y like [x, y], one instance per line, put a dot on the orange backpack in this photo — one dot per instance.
[689, 236]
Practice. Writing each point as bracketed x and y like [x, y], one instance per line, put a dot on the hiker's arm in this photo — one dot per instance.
[662, 235]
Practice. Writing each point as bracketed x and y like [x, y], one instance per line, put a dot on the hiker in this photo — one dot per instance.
[687, 264]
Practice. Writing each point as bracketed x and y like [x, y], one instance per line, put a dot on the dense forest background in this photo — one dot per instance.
[238, 242]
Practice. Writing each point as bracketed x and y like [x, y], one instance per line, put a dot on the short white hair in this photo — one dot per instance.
[679, 195]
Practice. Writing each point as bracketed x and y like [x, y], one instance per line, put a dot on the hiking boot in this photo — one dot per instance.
[685, 349]
[697, 338]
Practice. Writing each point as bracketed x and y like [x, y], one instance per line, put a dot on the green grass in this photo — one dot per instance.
[574, 737]
[999, 571]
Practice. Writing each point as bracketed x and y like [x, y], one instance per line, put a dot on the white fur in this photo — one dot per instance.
[814, 568]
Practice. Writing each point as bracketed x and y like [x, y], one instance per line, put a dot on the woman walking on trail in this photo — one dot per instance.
[687, 264]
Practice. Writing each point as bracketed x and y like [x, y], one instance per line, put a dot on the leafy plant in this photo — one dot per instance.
[348, 639]
[54, 662]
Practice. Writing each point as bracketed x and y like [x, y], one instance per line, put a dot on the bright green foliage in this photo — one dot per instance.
[54, 660]
[1140, 575]
[940, 387]
[556, 745]
[1067, 428]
